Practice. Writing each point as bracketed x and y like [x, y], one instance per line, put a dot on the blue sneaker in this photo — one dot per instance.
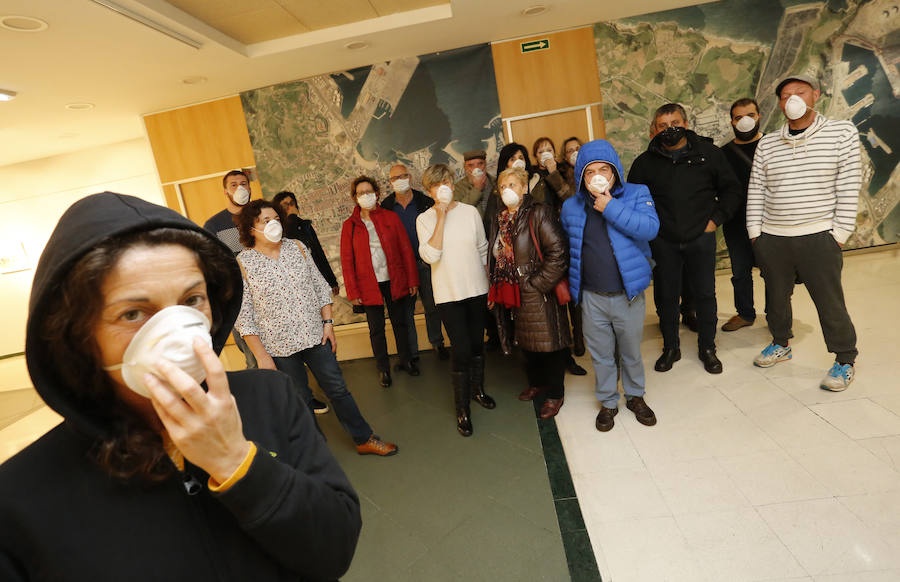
[771, 355]
[838, 378]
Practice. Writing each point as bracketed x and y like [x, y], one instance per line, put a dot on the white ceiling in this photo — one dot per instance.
[92, 54]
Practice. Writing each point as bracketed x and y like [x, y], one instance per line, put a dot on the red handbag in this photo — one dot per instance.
[561, 289]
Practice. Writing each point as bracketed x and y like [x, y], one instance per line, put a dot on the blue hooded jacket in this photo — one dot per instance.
[630, 218]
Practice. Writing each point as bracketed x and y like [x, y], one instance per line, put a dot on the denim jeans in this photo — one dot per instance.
[696, 259]
[611, 321]
[325, 368]
[432, 320]
[741, 253]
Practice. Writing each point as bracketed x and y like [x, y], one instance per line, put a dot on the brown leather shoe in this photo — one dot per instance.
[551, 407]
[376, 446]
[642, 412]
[605, 422]
[529, 393]
[736, 323]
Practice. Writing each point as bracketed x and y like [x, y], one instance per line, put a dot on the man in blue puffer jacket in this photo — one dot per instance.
[609, 223]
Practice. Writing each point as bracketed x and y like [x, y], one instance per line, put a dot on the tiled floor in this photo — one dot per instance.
[752, 475]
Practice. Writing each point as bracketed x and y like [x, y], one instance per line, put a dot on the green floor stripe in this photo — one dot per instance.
[576, 541]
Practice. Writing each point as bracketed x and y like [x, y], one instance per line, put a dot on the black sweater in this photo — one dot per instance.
[292, 516]
[302, 230]
[689, 190]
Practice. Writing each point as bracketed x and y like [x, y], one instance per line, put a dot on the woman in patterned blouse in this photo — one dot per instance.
[286, 318]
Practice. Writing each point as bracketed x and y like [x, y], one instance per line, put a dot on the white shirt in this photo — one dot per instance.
[379, 260]
[283, 299]
[458, 270]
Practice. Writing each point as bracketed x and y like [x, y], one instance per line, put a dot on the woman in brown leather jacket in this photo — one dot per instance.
[528, 257]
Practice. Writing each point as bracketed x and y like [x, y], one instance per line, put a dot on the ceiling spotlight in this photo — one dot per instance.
[194, 80]
[534, 10]
[79, 106]
[7, 95]
[356, 45]
[22, 23]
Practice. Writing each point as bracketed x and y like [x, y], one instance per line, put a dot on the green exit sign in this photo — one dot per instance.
[535, 45]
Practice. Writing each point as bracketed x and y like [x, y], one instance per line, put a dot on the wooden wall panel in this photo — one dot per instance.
[200, 139]
[562, 76]
[557, 127]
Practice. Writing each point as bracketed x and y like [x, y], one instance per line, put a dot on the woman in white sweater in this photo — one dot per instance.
[452, 241]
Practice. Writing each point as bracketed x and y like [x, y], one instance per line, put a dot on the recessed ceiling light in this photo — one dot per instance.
[356, 45]
[23, 23]
[7, 95]
[194, 80]
[534, 10]
[79, 106]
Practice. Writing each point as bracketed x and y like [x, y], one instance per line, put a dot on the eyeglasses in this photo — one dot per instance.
[399, 177]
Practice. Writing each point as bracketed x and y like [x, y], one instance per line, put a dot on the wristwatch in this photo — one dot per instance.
[324, 321]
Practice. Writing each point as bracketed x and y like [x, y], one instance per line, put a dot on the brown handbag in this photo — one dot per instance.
[561, 289]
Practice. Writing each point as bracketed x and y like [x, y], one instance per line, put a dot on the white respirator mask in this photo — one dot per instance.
[546, 156]
[241, 195]
[510, 197]
[445, 194]
[745, 124]
[598, 184]
[272, 231]
[168, 334]
[477, 173]
[366, 201]
[401, 185]
[573, 157]
[795, 107]
[520, 163]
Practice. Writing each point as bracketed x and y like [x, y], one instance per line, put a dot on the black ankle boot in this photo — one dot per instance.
[460, 381]
[476, 382]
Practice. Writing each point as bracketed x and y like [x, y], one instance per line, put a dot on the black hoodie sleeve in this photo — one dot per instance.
[295, 502]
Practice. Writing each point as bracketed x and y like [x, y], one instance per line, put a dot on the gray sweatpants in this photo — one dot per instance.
[817, 261]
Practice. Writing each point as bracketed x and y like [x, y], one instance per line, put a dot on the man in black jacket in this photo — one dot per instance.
[302, 230]
[695, 191]
[409, 204]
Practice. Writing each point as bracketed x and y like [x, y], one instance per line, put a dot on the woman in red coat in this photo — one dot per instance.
[379, 270]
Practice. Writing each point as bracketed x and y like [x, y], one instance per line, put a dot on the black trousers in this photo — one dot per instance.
[696, 259]
[817, 260]
[740, 251]
[464, 322]
[398, 312]
[547, 370]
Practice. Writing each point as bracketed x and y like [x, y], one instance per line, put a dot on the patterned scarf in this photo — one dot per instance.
[504, 282]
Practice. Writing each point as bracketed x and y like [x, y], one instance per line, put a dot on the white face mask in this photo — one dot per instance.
[520, 163]
[745, 124]
[510, 197]
[573, 157]
[401, 185]
[444, 194]
[598, 184]
[795, 107]
[366, 201]
[168, 334]
[545, 156]
[477, 173]
[241, 195]
[272, 231]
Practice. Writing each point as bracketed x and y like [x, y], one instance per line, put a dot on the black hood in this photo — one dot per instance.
[86, 224]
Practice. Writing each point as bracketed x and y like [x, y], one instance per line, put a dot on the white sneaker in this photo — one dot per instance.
[771, 355]
[838, 378]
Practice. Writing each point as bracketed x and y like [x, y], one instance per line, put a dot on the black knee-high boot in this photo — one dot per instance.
[460, 381]
[476, 382]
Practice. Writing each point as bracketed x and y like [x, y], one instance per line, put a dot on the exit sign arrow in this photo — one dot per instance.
[535, 45]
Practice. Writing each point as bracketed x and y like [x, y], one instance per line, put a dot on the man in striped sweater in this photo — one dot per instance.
[801, 209]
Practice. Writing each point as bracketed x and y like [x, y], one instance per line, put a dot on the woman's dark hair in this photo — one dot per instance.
[566, 143]
[507, 152]
[359, 181]
[281, 196]
[537, 143]
[130, 449]
[245, 219]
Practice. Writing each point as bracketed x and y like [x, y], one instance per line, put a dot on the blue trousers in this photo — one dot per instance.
[328, 374]
[608, 321]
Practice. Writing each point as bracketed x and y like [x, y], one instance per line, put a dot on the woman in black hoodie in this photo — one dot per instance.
[154, 476]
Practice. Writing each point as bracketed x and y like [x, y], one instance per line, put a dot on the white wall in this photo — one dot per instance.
[34, 194]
